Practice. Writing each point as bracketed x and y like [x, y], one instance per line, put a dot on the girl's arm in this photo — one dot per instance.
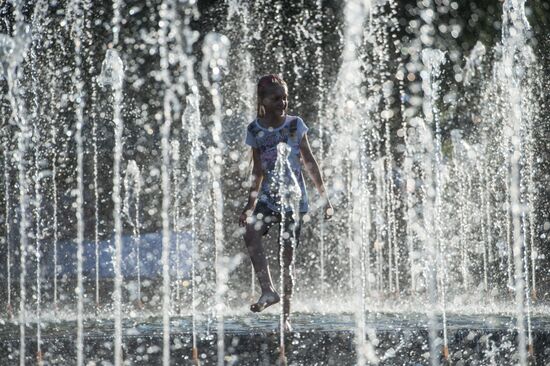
[312, 168]
[256, 177]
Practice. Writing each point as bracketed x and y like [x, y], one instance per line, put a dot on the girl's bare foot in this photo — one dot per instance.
[267, 299]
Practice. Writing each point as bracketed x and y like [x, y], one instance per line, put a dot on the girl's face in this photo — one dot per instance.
[276, 101]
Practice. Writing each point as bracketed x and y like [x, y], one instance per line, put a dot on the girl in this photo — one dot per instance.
[271, 127]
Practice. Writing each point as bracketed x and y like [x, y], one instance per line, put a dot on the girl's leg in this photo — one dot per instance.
[253, 240]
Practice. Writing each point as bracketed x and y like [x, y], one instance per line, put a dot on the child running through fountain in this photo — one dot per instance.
[272, 126]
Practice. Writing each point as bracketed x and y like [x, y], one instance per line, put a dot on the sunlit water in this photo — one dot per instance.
[125, 171]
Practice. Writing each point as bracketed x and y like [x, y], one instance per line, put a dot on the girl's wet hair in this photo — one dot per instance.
[265, 85]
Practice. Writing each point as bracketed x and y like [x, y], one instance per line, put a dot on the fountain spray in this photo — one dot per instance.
[166, 14]
[88, 8]
[132, 187]
[53, 138]
[36, 34]
[432, 60]
[191, 115]
[79, 110]
[526, 279]
[514, 61]
[349, 87]
[380, 28]
[112, 74]
[7, 204]
[215, 50]
[321, 126]
[23, 142]
[176, 173]
[16, 47]
[485, 223]
[531, 197]
[426, 234]
[37, 222]
[532, 224]
[289, 193]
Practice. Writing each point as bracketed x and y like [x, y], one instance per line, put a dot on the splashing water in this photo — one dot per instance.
[289, 193]
[131, 209]
[436, 192]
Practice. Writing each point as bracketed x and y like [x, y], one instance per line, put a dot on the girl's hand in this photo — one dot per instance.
[329, 211]
[247, 212]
